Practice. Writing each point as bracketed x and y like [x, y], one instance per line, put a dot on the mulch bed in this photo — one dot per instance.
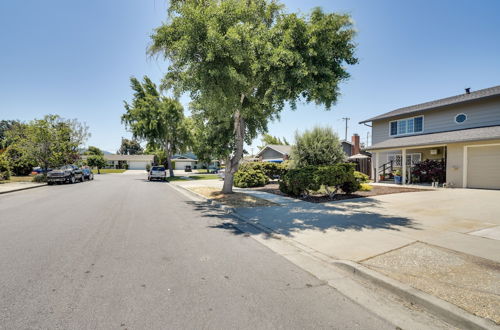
[273, 188]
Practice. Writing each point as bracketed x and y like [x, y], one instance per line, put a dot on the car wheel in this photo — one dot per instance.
[50, 183]
[72, 180]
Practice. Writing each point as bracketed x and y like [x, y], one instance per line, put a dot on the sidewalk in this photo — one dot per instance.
[16, 186]
[444, 242]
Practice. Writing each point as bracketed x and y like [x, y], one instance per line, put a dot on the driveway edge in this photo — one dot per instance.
[24, 188]
[450, 313]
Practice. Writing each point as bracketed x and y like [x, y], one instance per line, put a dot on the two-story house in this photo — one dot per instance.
[463, 131]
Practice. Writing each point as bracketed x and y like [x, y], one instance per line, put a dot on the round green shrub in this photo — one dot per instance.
[40, 178]
[247, 178]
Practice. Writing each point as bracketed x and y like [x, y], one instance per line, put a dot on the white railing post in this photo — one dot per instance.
[403, 165]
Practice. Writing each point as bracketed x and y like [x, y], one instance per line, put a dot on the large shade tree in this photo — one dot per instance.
[157, 119]
[244, 60]
[130, 147]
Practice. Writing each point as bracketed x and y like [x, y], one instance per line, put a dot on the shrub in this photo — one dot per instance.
[361, 177]
[40, 178]
[250, 178]
[365, 187]
[317, 147]
[300, 182]
[148, 167]
[4, 169]
[430, 170]
[271, 170]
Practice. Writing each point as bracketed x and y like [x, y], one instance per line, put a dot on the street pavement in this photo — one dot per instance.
[123, 253]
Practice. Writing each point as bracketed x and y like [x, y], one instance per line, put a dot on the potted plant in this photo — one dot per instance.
[397, 177]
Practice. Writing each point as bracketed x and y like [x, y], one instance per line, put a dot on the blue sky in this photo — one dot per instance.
[75, 58]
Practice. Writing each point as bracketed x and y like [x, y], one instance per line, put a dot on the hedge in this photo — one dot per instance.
[271, 170]
[250, 178]
[302, 181]
[4, 169]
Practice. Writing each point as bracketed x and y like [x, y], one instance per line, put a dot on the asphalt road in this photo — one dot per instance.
[123, 253]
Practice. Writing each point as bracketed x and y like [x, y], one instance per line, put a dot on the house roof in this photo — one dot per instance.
[185, 156]
[282, 149]
[136, 158]
[463, 135]
[457, 99]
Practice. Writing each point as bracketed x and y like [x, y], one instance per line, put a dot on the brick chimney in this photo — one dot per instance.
[355, 144]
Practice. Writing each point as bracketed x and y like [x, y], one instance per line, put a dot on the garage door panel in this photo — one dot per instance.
[483, 167]
[137, 165]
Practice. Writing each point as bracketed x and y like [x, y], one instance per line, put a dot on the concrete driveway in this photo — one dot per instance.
[465, 220]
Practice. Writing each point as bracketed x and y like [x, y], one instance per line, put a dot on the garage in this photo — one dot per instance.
[181, 165]
[137, 165]
[483, 167]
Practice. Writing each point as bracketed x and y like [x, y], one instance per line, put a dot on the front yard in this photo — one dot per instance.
[26, 178]
[322, 197]
[194, 177]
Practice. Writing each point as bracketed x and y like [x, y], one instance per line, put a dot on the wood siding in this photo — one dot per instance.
[480, 113]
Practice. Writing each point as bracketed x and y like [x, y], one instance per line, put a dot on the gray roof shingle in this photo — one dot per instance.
[463, 135]
[462, 98]
[282, 149]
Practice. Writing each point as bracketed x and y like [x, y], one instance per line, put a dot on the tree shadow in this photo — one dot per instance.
[358, 215]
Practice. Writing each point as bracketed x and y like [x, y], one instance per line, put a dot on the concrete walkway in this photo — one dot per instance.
[16, 186]
[445, 242]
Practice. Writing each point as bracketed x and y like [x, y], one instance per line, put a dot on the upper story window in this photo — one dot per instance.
[407, 126]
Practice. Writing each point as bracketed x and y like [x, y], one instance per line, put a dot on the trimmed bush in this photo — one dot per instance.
[300, 182]
[4, 169]
[361, 177]
[250, 178]
[365, 187]
[271, 170]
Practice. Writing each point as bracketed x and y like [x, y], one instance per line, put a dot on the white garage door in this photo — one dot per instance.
[180, 165]
[483, 167]
[137, 165]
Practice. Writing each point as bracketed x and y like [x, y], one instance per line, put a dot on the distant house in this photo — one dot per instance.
[133, 162]
[274, 153]
[182, 160]
[462, 132]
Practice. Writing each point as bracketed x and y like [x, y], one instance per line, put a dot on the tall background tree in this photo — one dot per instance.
[268, 139]
[51, 141]
[130, 147]
[244, 60]
[157, 119]
[319, 146]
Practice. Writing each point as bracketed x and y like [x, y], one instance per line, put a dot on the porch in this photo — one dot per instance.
[422, 165]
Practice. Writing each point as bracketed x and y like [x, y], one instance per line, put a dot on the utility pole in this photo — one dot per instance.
[346, 120]
[367, 139]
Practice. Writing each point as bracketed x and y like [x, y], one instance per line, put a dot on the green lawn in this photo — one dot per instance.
[110, 170]
[195, 177]
[26, 178]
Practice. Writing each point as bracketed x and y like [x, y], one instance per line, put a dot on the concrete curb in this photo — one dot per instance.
[20, 189]
[450, 313]
[446, 311]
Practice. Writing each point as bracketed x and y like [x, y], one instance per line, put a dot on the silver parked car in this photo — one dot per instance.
[157, 173]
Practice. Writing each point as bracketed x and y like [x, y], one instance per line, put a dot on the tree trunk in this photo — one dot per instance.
[168, 151]
[233, 162]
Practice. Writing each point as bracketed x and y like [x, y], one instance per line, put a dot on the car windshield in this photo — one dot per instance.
[66, 167]
[158, 168]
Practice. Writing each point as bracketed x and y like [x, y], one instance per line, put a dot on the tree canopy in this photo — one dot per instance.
[130, 147]
[157, 119]
[319, 146]
[91, 150]
[244, 60]
[270, 139]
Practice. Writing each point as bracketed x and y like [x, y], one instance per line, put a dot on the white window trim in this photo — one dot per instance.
[458, 114]
[405, 134]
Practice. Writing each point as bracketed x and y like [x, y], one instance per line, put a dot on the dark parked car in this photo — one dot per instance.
[66, 173]
[188, 168]
[87, 173]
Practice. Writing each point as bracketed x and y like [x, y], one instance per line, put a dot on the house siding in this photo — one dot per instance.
[480, 113]
[271, 154]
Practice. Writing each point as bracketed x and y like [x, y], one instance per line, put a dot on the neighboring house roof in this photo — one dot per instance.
[463, 135]
[187, 156]
[282, 149]
[458, 99]
[133, 158]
